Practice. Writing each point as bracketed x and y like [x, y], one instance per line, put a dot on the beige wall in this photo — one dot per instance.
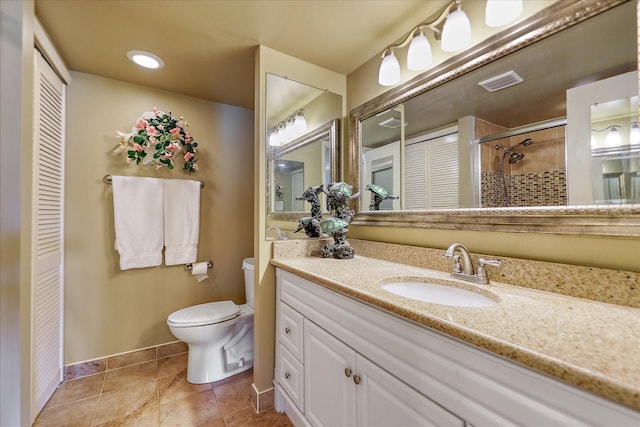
[109, 311]
[272, 61]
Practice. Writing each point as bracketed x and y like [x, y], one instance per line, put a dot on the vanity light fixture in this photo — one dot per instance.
[452, 28]
[145, 59]
[634, 133]
[502, 12]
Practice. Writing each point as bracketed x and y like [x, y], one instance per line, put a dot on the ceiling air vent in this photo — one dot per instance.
[502, 81]
[392, 123]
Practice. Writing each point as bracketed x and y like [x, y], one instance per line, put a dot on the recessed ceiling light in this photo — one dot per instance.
[145, 59]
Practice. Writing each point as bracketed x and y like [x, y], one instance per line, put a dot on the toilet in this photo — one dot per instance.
[219, 335]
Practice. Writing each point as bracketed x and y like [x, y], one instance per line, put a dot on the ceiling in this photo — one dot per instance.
[208, 47]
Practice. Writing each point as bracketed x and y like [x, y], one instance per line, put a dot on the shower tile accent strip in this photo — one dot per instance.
[548, 188]
[104, 364]
[619, 287]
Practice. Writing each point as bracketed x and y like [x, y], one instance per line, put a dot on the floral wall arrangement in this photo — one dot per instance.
[158, 138]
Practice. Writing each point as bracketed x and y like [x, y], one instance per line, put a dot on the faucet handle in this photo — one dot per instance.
[457, 267]
[482, 272]
[491, 262]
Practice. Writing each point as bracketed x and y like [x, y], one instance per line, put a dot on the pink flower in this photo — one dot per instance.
[187, 137]
[188, 156]
[167, 155]
[138, 147]
[141, 124]
[175, 132]
[151, 131]
[153, 140]
[173, 147]
[160, 127]
[156, 112]
[195, 166]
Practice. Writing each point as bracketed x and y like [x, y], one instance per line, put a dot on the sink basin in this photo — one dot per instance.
[436, 293]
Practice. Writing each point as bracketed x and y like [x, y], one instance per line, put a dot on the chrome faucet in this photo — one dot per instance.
[465, 271]
[280, 235]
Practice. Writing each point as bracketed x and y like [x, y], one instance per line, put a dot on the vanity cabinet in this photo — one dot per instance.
[341, 362]
[343, 388]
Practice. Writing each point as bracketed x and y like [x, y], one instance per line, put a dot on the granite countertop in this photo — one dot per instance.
[592, 345]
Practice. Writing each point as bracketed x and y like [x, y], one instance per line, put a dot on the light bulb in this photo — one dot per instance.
[282, 138]
[456, 34]
[289, 130]
[273, 138]
[502, 12]
[300, 124]
[634, 133]
[389, 73]
[419, 54]
[613, 137]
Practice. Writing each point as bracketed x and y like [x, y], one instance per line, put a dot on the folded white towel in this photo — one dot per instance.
[181, 221]
[138, 218]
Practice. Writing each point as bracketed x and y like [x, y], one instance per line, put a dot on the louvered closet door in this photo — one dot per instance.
[47, 232]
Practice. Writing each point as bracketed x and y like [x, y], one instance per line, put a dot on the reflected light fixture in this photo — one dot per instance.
[145, 59]
[288, 129]
[613, 137]
[502, 12]
[634, 133]
[452, 28]
[300, 123]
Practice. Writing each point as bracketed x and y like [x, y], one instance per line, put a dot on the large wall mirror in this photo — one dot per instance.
[483, 141]
[301, 153]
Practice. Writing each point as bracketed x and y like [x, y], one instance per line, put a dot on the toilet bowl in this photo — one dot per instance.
[219, 335]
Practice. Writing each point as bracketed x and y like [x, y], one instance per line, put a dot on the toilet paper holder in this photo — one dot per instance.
[189, 267]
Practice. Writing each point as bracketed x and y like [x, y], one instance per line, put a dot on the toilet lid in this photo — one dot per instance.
[204, 314]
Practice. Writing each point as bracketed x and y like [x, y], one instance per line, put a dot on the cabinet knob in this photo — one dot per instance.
[287, 375]
[287, 330]
[347, 372]
[356, 379]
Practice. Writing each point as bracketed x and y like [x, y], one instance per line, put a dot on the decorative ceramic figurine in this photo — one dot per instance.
[378, 194]
[338, 196]
[311, 225]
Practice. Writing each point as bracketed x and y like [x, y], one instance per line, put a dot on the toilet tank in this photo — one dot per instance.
[247, 267]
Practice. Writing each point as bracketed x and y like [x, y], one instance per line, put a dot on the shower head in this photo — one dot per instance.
[515, 158]
[524, 143]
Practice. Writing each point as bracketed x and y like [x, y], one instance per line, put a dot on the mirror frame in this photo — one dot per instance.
[619, 220]
[330, 129]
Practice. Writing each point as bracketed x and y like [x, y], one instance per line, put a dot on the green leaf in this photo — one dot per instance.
[143, 154]
[138, 139]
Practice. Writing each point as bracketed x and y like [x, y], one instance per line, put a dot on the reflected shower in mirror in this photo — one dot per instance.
[466, 141]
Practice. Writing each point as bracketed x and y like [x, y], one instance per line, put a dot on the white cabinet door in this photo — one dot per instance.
[330, 395]
[383, 400]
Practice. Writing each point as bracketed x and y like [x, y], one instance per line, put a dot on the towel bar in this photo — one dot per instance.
[188, 267]
[107, 180]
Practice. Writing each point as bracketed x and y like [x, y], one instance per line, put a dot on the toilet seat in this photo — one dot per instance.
[204, 314]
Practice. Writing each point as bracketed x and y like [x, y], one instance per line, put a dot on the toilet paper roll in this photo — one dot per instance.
[199, 270]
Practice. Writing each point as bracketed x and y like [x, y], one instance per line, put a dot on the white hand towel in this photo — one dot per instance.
[181, 221]
[138, 219]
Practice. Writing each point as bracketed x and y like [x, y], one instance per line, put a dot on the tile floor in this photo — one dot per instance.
[155, 393]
